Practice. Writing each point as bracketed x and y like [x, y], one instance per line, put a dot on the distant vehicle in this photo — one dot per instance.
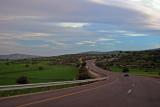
[126, 75]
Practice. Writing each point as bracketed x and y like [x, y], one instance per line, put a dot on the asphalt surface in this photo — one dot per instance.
[116, 91]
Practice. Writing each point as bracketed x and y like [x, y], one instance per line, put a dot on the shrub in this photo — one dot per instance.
[22, 80]
[26, 65]
[40, 68]
[159, 73]
[83, 64]
[7, 63]
[146, 70]
[83, 76]
[83, 73]
[77, 65]
[125, 70]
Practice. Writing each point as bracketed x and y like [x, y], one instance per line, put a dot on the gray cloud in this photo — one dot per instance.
[61, 24]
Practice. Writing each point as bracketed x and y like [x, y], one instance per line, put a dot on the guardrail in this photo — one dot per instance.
[38, 85]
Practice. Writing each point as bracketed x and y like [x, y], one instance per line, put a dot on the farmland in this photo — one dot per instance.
[36, 72]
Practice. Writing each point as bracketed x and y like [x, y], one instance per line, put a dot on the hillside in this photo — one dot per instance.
[17, 56]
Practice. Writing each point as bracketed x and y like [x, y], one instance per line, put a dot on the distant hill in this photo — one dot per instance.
[93, 52]
[24, 56]
[158, 49]
[99, 53]
[17, 56]
[115, 52]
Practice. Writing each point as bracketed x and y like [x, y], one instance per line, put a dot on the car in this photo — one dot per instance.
[126, 75]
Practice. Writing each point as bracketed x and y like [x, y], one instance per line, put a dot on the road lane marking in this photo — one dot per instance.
[54, 98]
[66, 95]
[133, 85]
[129, 91]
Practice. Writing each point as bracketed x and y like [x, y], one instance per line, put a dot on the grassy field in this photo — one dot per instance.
[138, 71]
[36, 73]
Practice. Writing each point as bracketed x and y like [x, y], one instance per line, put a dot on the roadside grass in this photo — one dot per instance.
[49, 73]
[138, 71]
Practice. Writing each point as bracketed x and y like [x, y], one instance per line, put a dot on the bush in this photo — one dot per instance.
[83, 76]
[146, 70]
[40, 68]
[22, 80]
[159, 73]
[26, 65]
[78, 65]
[82, 69]
[7, 63]
[83, 64]
[125, 70]
[83, 73]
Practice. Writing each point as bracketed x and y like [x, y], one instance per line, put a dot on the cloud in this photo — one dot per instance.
[135, 35]
[58, 44]
[103, 31]
[156, 45]
[93, 45]
[35, 35]
[150, 8]
[72, 25]
[94, 42]
[24, 35]
[105, 39]
[121, 31]
[39, 46]
[13, 18]
[90, 43]
[60, 26]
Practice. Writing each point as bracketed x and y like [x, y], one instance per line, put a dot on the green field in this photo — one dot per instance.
[48, 73]
[138, 71]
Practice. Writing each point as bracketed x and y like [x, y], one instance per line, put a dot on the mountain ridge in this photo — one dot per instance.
[27, 56]
[18, 56]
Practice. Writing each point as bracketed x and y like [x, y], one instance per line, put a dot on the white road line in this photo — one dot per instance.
[129, 91]
[133, 85]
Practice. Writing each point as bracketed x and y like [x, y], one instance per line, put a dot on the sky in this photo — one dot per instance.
[56, 27]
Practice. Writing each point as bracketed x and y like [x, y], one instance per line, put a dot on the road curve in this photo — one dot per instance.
[116, 91]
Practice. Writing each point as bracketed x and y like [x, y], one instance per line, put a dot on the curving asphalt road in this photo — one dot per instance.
[116, 91]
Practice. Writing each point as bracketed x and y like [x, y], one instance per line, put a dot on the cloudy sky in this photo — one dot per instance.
[54, 27]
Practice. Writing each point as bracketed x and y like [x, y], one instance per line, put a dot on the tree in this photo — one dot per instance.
[22, 80]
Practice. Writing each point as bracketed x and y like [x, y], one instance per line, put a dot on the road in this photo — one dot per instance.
[116, 91]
